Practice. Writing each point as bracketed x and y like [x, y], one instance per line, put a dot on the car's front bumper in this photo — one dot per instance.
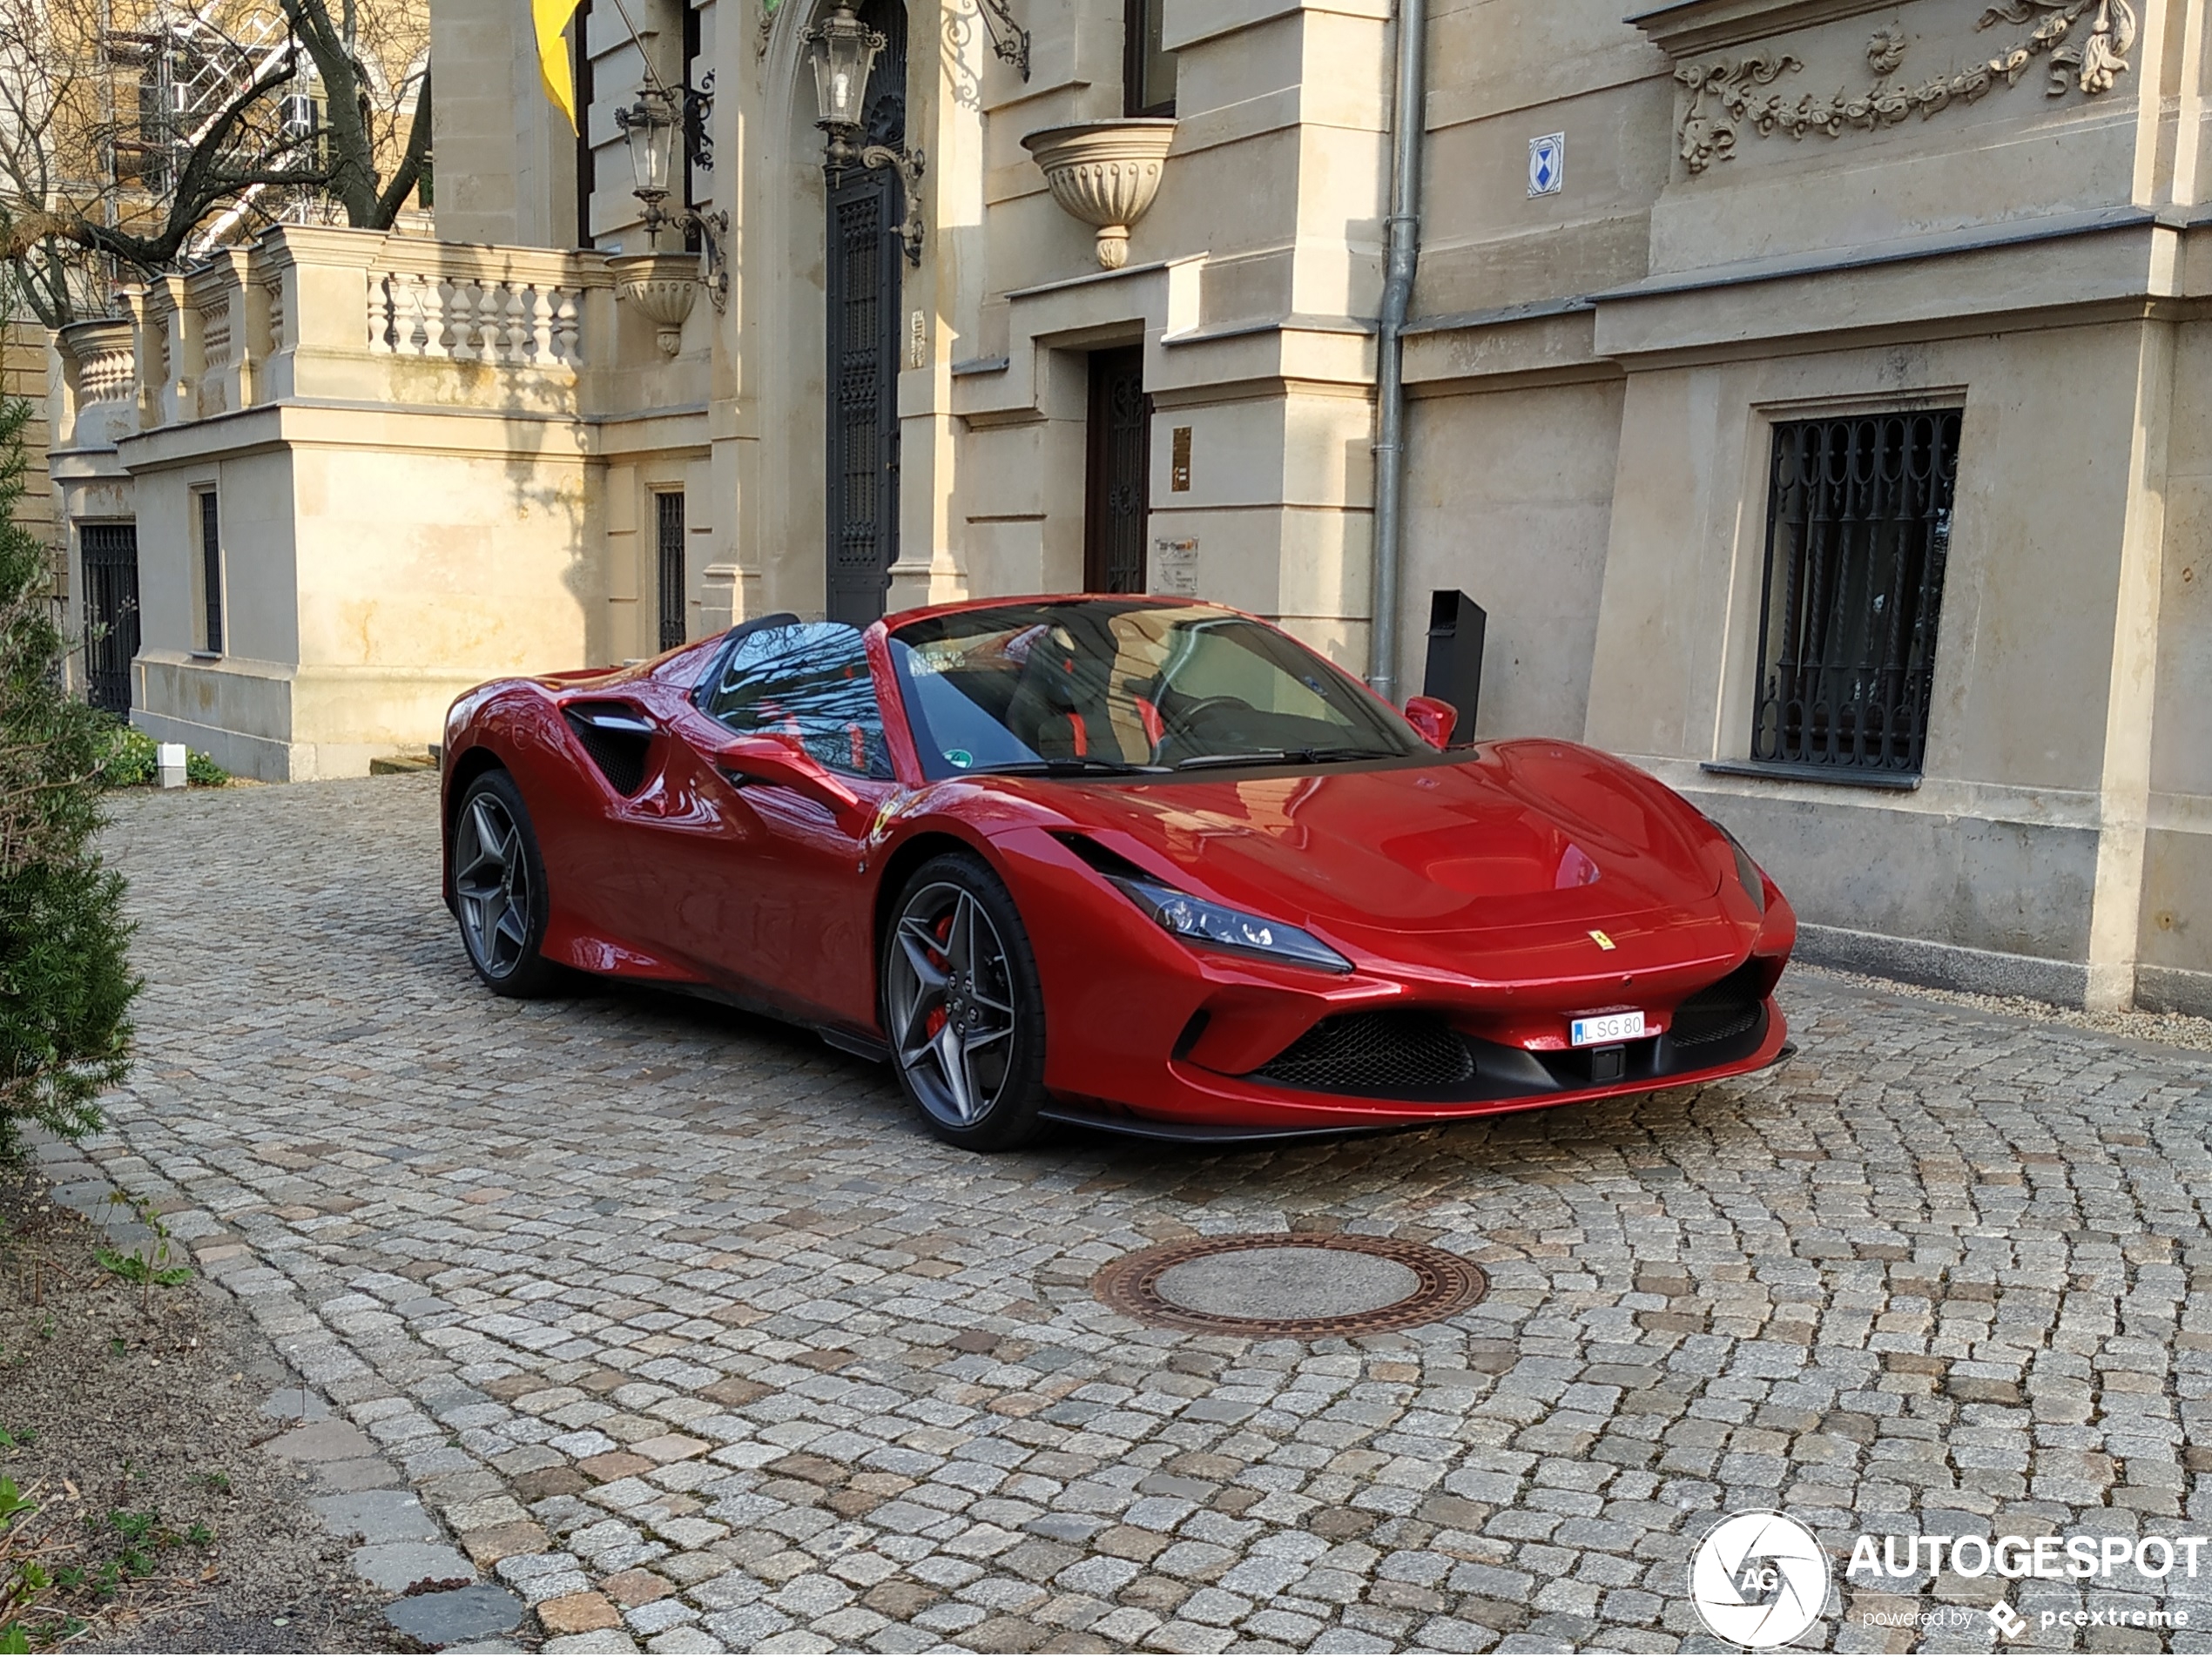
[1191, 1103]
[1143, 1028]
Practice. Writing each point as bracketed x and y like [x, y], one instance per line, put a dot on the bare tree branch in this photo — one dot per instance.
[136, 133]
[410, 170]
[200, 185]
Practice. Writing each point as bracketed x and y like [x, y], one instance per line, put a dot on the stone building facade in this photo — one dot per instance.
[1810, 391]
[23, 374]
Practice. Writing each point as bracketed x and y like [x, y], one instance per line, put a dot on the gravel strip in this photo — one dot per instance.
[2162, 1029]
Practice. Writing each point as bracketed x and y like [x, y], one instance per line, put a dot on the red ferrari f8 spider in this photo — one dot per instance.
[1138, 863]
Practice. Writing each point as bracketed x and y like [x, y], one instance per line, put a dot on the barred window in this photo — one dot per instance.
[668, 547]
[211, 574]
[1858, 526]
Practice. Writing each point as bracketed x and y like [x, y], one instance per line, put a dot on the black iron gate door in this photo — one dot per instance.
[864, 284]
[110, 560]
[1117, 496]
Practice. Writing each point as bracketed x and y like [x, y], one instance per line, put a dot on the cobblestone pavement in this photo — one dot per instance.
[689, 1334]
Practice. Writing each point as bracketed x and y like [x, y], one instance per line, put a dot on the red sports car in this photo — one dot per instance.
[1138, 862]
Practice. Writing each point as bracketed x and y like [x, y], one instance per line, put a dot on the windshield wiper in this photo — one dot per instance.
[1278, 757]
[1067, 765]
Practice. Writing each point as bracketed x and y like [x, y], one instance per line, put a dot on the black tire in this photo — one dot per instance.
[963, 1008]
[499, 890]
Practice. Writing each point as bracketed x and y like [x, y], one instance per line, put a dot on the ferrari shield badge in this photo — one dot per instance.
[1601, 939]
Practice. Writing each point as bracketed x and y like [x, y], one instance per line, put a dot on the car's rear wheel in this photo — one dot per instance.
[962, 1005]
[499, 888]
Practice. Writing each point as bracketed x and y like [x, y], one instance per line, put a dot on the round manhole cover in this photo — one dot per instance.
[1304, 1286]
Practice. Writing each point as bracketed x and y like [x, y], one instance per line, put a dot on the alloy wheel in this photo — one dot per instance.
[492, 880]
[951, 1004]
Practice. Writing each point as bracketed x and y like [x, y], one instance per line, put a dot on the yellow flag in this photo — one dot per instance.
[551, 17]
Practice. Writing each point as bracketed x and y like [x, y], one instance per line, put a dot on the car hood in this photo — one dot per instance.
[1517, 834]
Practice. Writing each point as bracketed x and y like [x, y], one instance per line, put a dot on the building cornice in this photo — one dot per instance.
[1691, 26]
[1977, 239]
[2108, 265]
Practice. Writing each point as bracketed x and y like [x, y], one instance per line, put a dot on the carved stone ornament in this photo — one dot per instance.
[1724, 94]
[101, 357]
[1104, 173]
[664, 286]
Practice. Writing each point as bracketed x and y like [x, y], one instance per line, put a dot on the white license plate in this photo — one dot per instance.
[1605, 1027]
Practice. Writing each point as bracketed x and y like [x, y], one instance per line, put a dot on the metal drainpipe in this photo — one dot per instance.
[1408, 121]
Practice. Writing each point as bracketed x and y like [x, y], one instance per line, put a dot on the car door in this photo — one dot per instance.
[768, 885]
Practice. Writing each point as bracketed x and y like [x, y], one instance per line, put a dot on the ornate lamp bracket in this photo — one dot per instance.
[909, 164]
[1009, 38]
[714, 237]
[713, 230]
[698, 104]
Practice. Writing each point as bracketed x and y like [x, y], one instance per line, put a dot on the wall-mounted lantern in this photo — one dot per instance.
[649, 128]
[845, 51]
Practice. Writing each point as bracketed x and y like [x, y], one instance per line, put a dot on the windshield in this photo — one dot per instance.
[1094, 686]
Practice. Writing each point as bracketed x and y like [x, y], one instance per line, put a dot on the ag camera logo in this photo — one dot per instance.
[1759, 1579]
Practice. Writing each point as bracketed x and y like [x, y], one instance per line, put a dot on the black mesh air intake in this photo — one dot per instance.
[616, 739]
[1380, 1055]
[1719, 1011]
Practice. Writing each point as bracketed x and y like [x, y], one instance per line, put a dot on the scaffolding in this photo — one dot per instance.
[179, 70]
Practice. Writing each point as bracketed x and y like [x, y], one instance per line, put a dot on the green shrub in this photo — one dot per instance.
[66, 980]
[132, 757]
[134, 761]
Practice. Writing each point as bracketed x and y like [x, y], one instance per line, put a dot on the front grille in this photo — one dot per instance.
[1719, 1011]
[1380, 1055]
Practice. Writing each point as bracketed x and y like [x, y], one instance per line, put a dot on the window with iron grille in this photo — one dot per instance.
[669, 519]
[211, 572]
[111, 559]
[1858, 527]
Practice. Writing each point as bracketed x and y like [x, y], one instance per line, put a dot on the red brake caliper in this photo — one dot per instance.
[935, 1021]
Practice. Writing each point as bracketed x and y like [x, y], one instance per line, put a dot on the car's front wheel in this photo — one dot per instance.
[962, 1005]
[499, 888]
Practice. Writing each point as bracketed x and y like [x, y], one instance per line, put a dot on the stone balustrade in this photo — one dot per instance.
[504, 322]
[307, 314]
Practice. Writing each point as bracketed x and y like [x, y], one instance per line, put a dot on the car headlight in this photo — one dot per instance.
[1196, 922]
[1746, 871]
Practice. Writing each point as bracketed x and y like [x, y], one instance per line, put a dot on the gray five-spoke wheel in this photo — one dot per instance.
[492, 880]
[951, 1004]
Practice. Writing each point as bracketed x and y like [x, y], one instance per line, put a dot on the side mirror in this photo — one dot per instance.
[784, 765]
[1434, 719]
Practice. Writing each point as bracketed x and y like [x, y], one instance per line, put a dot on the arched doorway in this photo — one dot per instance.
[865, 266]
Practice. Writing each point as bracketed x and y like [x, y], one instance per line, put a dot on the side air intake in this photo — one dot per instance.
[617, 737]
[1719, 1011]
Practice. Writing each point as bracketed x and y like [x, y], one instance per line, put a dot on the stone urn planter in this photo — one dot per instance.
[99, 357]
[664, 286]
[1104, 173]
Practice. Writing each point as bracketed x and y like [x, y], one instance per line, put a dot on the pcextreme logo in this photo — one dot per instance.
[1759, 1579]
